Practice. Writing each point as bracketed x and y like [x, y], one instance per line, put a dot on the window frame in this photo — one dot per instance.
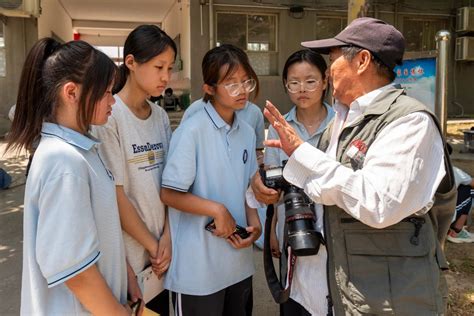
[272, 53]
[330, 16]
[247, 13]
[422, 18]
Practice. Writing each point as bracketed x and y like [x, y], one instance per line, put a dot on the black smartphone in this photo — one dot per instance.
[239, 230]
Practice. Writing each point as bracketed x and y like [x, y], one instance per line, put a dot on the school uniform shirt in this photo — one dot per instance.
[305, 288]
[215, 161]
[415, 157]
[251, 114]
[135, 151]
[71, 222]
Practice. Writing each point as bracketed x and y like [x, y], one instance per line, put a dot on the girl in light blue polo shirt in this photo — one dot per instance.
[73, 253]
[210, 162]
[304, 78]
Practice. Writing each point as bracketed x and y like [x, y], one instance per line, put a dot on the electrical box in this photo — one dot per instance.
[465, 19]
[465, 48]
[20, 8]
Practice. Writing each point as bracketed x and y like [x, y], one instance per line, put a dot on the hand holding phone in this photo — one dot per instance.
[239, 230]
[224, 223]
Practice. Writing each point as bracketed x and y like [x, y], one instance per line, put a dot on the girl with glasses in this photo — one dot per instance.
[73, 252]
[304, 78]
[210, 163]
[135, 145]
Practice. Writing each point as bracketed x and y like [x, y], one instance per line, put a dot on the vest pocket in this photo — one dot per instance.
[388, 274]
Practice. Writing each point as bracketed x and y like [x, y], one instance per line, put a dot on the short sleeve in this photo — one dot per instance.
[180, 169]
[272, 155]
[259, 130]
[253, 164]
[167, 125]
[66, 237]
[110, 148]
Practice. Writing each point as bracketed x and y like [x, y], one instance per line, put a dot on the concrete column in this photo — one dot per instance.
[356, 9]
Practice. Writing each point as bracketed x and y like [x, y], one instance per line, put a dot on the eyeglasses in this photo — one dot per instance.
[234, 88]
[309, 85]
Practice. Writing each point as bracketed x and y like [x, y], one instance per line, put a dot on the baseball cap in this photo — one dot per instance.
[381, 39]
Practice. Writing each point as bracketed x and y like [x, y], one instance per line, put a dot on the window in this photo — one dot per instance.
[327, 27]
[3, 61]
[420, 33]
[114, 52]
[254, 33]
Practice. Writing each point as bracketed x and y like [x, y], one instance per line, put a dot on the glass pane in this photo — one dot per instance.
[231, 29]
[327, 27]
[262, 32]
[413, 32]
[2, 39]
[264, 64]
[3, 62]
[431, 28]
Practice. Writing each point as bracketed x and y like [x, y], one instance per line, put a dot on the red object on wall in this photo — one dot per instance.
[77, 36]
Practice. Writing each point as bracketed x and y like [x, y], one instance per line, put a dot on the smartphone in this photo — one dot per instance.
[135, 306]
[239, 230]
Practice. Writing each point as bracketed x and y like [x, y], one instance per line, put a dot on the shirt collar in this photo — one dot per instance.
[291, 116]
[217, 120]
[70, 136]
[361, 103]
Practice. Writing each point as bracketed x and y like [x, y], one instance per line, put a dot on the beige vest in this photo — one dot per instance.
[395, 270]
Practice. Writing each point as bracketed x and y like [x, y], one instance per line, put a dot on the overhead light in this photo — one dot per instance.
[297, 12]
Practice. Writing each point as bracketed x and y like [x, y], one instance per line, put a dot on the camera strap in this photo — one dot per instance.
[280, 294]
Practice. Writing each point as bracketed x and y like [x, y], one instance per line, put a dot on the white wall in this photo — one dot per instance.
[177, 22]
[54, 19]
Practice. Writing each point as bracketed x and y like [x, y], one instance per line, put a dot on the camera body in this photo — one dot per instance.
[300, 218]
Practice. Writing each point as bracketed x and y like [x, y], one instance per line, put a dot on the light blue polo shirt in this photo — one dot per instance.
[71, 222]
[251, 114]
[275, 156]
[215, 161]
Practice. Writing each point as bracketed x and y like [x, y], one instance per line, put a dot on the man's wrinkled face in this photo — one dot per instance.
[342, 74]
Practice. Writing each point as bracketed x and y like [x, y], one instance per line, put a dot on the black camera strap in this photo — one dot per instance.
[280, 294]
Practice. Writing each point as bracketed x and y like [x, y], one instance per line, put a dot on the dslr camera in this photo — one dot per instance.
[300, 216]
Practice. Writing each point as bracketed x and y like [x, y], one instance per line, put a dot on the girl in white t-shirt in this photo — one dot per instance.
[135, 144]
[73, 253]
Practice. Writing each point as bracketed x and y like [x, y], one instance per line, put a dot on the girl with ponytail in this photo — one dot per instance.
[73, 253]
[135, 145]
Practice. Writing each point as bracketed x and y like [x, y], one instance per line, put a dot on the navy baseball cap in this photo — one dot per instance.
[381, 39]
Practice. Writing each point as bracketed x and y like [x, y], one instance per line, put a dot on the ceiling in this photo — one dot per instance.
[114, 17]
[118, 10]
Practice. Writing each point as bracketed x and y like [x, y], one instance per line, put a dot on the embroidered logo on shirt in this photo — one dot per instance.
[245, 156]
[356, 153]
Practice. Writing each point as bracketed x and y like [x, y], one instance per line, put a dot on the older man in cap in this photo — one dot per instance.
[381, 178]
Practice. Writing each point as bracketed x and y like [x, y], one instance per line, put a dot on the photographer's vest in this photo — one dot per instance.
[395, 270]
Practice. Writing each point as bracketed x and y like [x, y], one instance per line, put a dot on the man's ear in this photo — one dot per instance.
[208, 89]
[364, 58]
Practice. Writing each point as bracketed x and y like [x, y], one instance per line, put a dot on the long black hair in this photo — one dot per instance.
[144, 43]
[48, 66]
[309, 56]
